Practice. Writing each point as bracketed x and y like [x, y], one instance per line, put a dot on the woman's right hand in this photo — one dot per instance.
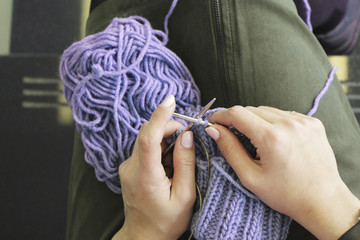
[295, 173]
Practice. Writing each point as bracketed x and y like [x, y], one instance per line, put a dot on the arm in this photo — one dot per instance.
[296, 173]
[157, 207]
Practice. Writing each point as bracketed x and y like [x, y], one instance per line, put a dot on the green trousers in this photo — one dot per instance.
[247, 52]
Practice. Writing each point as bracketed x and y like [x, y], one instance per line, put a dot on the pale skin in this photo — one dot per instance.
[295, 173]
[157, 207]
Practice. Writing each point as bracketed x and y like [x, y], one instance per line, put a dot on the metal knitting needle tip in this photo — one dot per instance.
[203, 111]
[207, 107]
[191, 119]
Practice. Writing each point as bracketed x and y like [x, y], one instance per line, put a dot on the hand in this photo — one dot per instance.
[296, 173]
[157, 207]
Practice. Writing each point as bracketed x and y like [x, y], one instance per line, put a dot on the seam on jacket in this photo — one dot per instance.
[234, 69]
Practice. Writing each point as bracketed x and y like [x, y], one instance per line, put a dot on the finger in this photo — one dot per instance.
[171, 127]
[264, 113]
[245, 121]
[184, 167]
[234, 152]
[160, 118]
[284, 113]
[152, 133]
[167, 159]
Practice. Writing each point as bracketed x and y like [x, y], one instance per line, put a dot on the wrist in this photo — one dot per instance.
[121, 235]
[139, 233]
[332, 217]
[124, 234]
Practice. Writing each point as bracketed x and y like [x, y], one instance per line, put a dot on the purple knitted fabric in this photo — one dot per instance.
[229, 211]
[113, 81]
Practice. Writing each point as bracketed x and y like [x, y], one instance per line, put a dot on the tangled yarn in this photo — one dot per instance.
[113, 81]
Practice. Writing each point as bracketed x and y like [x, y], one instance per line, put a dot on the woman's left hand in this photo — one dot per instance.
[157, 207]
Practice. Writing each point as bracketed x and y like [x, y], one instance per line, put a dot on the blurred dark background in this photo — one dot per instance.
[36, 127]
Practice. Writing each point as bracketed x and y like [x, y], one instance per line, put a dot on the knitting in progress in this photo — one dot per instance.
[114, 80]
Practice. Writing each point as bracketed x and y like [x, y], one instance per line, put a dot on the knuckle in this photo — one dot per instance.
[226, 150]
[184, 157]
[317, 126]
[304, 125]
[186, 160]
[235, 110]
[295, 125]
[262, 107]
[276, 138]
[317, 123]
[145, 142]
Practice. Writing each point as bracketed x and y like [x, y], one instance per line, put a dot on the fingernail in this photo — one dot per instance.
[214, 134]
[168, 101]
[187, 139]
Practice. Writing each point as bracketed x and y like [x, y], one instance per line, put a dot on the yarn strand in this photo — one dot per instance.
[322, 92]
[308, 14]
[197, 186]
[166, 21]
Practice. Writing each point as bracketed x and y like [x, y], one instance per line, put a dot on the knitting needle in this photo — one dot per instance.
[203, 111]
[191, 119]
[207, 107]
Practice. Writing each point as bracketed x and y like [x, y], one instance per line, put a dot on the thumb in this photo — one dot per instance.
[236, 155]
[183, 185]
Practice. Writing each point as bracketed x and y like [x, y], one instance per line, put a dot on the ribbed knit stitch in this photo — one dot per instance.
[229, 211]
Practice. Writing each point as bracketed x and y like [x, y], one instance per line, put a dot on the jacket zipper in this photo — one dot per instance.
[220, 50]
